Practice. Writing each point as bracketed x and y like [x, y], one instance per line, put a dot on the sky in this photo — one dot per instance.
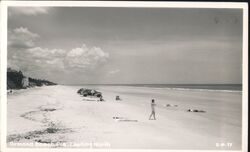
[87, 45]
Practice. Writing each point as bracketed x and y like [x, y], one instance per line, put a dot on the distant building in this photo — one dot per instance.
[25, 82]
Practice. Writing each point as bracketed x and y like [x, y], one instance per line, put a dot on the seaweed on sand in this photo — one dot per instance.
[38, 135]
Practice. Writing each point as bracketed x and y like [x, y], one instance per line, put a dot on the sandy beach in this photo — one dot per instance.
[58, 115]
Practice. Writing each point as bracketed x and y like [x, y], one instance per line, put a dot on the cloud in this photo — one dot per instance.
[21, 38]
[30, 11]
[37, 61]
[86, 57]
[37, 58]
[47, 58]
[39, 52]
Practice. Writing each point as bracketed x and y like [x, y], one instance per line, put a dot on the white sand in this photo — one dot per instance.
[86, 122]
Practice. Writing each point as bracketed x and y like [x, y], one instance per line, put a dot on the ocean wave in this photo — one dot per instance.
[192, 89]
[177, 88]
[186, 89]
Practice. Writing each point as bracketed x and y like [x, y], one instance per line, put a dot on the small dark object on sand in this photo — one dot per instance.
[195, 110]
[49, 109]
[169, 105]
[44, 141]
[117, 98]
[119, 118]
[124, 119]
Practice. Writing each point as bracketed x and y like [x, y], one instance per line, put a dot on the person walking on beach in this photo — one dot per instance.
[152, 110]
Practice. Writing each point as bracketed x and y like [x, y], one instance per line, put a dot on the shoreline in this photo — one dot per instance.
[167, 88]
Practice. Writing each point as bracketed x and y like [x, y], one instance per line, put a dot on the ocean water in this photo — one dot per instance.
[213, 87]
[229, 87]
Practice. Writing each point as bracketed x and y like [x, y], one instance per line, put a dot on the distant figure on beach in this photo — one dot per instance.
[117, 98]
[152, 110]
[101, 99]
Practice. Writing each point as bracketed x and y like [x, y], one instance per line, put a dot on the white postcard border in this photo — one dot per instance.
[3, 54]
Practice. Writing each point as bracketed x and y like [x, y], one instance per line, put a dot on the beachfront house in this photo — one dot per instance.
[25, 82]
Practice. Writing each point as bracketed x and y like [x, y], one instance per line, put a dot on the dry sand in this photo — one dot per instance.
[57, 116]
